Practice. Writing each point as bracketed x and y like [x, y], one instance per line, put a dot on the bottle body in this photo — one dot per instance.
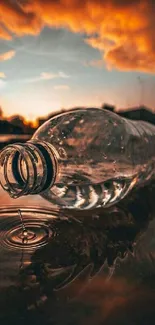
[99, 157]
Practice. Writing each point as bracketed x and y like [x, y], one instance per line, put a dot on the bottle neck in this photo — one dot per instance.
[28, 168]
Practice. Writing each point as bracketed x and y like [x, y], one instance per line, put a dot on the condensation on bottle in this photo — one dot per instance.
[81, 159]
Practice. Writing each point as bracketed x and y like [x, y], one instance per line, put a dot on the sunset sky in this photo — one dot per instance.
[66, 53]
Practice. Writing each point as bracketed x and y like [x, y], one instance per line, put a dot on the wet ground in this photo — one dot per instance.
[84, 268]
[76, 269]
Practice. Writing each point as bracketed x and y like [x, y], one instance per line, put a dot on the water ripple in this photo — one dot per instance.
[28, 233]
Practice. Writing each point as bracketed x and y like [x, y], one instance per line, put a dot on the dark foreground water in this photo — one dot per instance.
[97, 268]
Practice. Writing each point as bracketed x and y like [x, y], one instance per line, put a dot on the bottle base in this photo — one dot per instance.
[86, 197]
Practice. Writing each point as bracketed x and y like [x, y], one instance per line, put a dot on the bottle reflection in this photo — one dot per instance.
[79, 268]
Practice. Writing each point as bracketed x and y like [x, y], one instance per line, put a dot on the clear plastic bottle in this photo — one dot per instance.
[81, 159]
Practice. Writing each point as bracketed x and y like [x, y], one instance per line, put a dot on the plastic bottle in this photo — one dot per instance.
[81, 159]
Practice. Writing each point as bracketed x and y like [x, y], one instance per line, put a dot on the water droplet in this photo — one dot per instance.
[66, 122]
[62, 153]
[26, 235]
[35, 234]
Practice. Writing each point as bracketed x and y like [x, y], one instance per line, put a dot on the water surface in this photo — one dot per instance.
[94, 269]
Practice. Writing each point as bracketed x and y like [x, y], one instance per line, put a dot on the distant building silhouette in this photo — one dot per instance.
[139, 113]
[134, 113]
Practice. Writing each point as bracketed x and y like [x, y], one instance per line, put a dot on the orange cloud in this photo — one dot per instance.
[4, 34]
[16, 21]
[2, 75]
[124, 31]
[7, 55]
